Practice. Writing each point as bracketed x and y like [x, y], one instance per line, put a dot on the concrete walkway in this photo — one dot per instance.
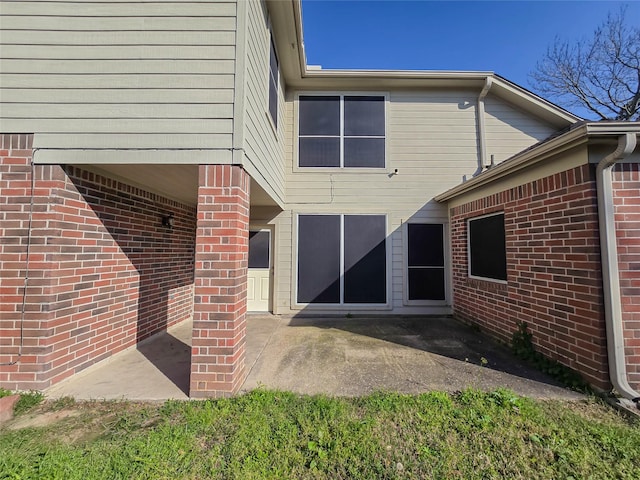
[335, 356]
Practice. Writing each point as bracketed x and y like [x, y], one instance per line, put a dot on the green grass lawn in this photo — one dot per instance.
[267, 434]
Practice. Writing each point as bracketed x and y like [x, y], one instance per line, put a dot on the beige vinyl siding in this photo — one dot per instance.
[119, 74]
[431, 141]
[263, 141]
[510, 130]
[283, 287]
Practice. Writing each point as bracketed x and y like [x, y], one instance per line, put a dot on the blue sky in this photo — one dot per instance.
[507, 37]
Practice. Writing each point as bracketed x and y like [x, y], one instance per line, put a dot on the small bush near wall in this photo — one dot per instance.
[523, 348]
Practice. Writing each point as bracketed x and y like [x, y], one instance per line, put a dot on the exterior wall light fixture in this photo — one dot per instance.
[167, 221]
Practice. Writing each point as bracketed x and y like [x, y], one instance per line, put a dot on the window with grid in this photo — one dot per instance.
[342, 259]
[343, 131]
[425, 261]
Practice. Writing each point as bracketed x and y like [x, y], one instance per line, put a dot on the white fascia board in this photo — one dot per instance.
[612, 128]
[526, 99]
[401, 74]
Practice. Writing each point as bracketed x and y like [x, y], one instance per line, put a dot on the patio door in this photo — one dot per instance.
[259, 272]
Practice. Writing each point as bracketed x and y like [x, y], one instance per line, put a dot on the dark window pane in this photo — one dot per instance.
[364, 152]
[273, 102]
[319, 115]
[425, 242]
[364, 116]
[365, 259]
[319, 152]
[426, 284]
[319, 259]
[488, 247]
[273, 84]
[273, 60]
[259, 249]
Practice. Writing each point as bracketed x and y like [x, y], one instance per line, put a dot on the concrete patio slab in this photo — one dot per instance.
[356, 356]
[334, 356]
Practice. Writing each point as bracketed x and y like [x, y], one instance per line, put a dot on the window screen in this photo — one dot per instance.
[319, 259]
[364, 152]
[319, 152]
[320, 116]
[357, 242]
[487, 247]
[341, 131]
[364, 116]
[425, 261]
[365, 268]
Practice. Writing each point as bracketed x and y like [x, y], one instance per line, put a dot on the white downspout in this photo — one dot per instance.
[610, 271]
[482, 158]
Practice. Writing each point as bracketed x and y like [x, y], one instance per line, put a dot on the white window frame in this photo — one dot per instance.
[341, 94]
[341, 306]
[485, 279]
[405, 263]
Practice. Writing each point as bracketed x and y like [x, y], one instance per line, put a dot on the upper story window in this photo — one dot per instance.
[274, 75]
[341, 131]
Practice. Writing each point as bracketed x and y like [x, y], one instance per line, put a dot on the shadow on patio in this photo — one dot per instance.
[335, 356]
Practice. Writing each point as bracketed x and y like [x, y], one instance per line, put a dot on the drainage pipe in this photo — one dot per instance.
[610, 270]
[482, 157]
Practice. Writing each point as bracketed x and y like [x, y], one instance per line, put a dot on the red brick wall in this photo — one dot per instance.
[553, 270]
[626, 186]
[222, 242]
[15, 189]
[104, 274]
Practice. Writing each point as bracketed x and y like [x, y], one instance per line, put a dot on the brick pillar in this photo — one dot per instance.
[220, 298]
[32, 369]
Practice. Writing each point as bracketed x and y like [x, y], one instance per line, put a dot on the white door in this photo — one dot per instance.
[259, 274]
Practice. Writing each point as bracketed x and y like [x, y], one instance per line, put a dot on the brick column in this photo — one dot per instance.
[220, 298]
[31, 370]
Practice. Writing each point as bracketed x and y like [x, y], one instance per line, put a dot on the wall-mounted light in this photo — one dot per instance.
[167, 220]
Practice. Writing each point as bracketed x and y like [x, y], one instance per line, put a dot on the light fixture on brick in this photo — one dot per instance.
[167, 221]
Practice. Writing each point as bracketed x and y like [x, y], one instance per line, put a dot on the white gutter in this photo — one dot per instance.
[610, 272]
[482, 158]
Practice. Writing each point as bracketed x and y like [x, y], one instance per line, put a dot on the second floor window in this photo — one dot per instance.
[273, 84]
[341, 131]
